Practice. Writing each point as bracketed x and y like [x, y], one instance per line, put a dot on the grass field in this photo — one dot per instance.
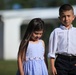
[9, 67]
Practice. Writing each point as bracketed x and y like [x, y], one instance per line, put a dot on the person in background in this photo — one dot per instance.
[32, 50]
[62, 44]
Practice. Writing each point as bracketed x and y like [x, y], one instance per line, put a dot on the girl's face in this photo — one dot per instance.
[36, 35]
[67, 18]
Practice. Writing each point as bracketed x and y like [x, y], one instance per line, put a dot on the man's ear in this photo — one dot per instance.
[74, 16]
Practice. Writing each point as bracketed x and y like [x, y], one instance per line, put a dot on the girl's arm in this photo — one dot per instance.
[20, 65]
[45, 56]
[53, 69]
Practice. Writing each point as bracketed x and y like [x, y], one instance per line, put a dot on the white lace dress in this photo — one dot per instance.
[35, 64]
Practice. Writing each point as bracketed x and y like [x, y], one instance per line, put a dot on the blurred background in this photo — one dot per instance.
[14, 18]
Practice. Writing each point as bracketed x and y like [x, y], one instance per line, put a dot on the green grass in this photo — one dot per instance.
[49, 67]
[8, 67]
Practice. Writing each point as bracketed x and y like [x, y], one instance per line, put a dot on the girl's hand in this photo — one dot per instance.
[22, 74]
[54, 72]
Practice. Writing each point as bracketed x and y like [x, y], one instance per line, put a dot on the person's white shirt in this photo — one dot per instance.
[62, 41]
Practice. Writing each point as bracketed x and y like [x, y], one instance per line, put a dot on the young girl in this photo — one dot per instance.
[31, 50]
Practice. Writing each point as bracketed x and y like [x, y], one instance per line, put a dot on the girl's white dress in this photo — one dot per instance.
[35, 64]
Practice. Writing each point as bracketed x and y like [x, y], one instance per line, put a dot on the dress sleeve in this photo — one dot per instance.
[52, 44]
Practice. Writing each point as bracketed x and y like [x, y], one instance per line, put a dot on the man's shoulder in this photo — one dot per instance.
[74, 27]
[57, 29]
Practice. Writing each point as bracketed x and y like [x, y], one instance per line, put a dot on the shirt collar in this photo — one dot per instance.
[63, 27]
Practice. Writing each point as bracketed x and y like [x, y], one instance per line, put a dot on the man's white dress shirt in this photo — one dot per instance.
[62, 41]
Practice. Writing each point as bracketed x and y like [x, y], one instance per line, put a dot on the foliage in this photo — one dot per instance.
[8, 4]
[2, 6]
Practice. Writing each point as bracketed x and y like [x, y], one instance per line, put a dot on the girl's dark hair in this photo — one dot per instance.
[65, 7]
[35, 24]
